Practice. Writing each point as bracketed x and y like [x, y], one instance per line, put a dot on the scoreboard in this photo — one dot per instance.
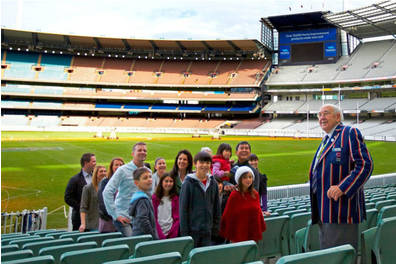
[309, 46]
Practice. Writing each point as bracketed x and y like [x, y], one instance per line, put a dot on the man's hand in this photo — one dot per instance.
[229, 188]
[334, 192]
[123, 220]
[81, 228]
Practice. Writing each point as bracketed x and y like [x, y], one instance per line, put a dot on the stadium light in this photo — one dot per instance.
[138, 57]
[61, 52]
[19, 49]
[145, 57]
[123, 56]
[181, 58]
[93, 54]
[53, 52]
[45, 51]
[109, 55]
[85, 54]
[10, 48]
[27, 49]
[78, 53]
[116, 56]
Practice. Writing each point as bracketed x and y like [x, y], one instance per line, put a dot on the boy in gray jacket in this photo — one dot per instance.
[141, 208]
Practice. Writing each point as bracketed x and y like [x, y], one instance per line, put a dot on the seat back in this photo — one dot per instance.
[385, 241]
[9, 248]
[57, 235]
[344, 254]
[76, 235]
[367, 242]
[21, 242]
[296, 222]
[167, 258]
[7, 241]
[234, 253]
[36, 246]
[98, 238]
[183, 245]
[19, 254]
[386, 211]
[380, 204]
[130, 241]
[57, 251]
[275, 238]
[95, 255]
[33, 260]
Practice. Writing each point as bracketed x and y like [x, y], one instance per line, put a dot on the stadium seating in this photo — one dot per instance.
[98, 238]
[385, 240]
[241, 252]
[183, 245]
[9, 248]
[130, 241]
[95, 255]
[337, 255]
[32, 260]
[296, 222]
[166, 258]
[57, 251]
[19, 254]
[21, 242]
[274, 242]
[76, 235]
[36, 246]
[21, 64]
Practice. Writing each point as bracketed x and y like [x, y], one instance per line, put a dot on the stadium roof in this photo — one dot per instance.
[39, 41]
[375, 20]
[297, 21]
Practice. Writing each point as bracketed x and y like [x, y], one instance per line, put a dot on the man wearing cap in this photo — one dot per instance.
[75, 186]
[340, 167]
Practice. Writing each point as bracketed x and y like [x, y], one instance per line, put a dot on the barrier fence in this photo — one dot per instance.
[24, 221]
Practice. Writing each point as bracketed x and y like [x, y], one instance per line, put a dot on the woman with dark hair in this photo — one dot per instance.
[105, 220]
[182, 166]
[166, 207]
[159, 170]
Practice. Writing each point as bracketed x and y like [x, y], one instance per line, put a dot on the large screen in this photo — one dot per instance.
[308, 46]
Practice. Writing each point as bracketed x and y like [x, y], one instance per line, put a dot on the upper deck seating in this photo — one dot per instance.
[20, 64]
[53, 67]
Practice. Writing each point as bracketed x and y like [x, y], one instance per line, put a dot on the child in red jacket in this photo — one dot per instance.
[166, 207]
[221, 162]
[242, 218]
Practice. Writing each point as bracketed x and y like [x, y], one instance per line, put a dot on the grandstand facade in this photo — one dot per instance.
[270, 88]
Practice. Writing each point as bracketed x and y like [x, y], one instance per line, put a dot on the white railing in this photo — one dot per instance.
[286, 191]
[24, 221]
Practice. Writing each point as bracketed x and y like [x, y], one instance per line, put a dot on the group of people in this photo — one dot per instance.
[201, 203]
[221, 200]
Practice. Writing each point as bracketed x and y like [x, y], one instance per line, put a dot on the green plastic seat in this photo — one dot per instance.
[9, 248]
[167, 258]
[76, 235]
[296, 222]
[98, 238]
[296, 211]
[22, 242]
[43, 232]
[57, 251]
[371, 221]
[344, 254]
[254, 262]
[386, 211]
[19, 254]
[370, 205]
[7, 241]
[13, 235]
[57, 235]
[183, 245]
[282, 210]
[299, 240]
[233, 253]
[130, 241]
[367, 242]
[274, 241]
[380, 204]
[33, 260]
[36, 246]
[385, 241]
[95, 255]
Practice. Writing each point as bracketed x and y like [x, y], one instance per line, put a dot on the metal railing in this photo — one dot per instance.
[24, 221]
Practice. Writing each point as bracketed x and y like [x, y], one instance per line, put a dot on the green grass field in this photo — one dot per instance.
[36, 166]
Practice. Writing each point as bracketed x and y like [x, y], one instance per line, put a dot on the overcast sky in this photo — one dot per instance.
[158, 19]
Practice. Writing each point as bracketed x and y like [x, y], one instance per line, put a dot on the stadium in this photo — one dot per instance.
[64, 94]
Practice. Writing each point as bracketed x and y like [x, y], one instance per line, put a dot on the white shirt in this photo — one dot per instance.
[165, 215]
[87, 177]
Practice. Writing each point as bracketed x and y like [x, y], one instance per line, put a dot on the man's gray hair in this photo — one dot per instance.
[336, 110]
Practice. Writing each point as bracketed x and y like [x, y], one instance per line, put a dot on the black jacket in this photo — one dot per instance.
[102, 208]
[199, 209]
[74, 189]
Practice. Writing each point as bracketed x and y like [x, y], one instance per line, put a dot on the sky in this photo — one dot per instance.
[158, 19]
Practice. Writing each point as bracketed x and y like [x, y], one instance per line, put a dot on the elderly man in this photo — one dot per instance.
[341, 166]
[122, 187]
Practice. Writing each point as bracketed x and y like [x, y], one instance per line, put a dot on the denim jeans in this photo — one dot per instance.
[126, 230]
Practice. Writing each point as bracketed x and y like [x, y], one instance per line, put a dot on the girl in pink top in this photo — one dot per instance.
[166, 207]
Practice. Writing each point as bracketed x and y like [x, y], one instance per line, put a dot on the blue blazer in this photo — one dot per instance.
[345, 162]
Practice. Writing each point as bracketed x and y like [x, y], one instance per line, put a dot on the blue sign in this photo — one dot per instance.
[284, 52]
[305, 36]
[330, 49]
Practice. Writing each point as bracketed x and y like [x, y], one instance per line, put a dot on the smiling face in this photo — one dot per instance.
[328, 118]
[243, 152]
[90, 166]
[160, 166]
[101, 173]
[117, 164]
[167, 184]
[246, 180]
[253, 163]
[139, 154]
[145, 181]
[203, 167]
[226, 154]
[182, 161]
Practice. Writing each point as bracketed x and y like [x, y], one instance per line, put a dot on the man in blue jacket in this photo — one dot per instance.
[122, 187]
[339, 170]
